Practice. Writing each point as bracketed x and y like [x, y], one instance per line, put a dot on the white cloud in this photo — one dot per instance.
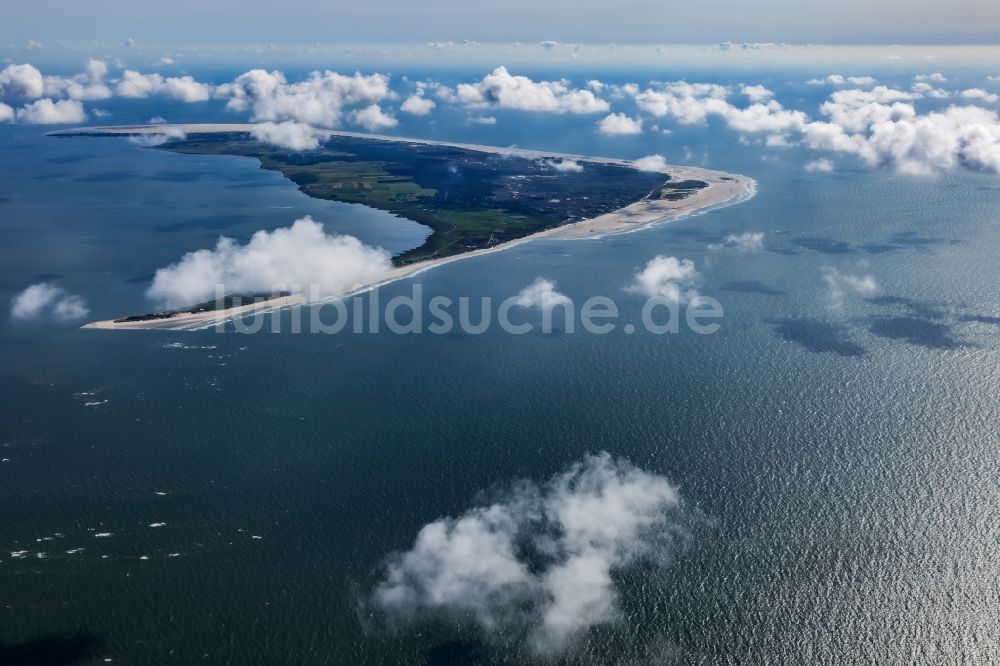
[841, 284]
[821, 165]
[619, 123]
[541, 294]
[928, 90]
[979, 93]
[751, 241]
[417, 105]
[373, 118]
[666, 277]
[919, 144]
[756, 93]
[692, 103]
[832, 80]
[89, 85]
[502, 90]
[45, 298]
[46, 112]
[185, 88]
[320, 100]
[161, 136]
[302, 255]
[289, 134]
[30, 303]
[6, 113]
[689, 103]
[483, 120]
[70, 308]
[564, 165]
[839, 80]
[21, 81]
[650, 163]
[937, 77]
[536, 565]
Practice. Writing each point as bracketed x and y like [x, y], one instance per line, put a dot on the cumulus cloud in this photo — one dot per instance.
[287, 258]
[6, 113]
[756, 93]
[839, 80]
[650, 163]
[689, 103]
[822, 165]
[571, 166]
[162, 135]
[692, 103]
[666, 277]
[289, 134]
[541, 294]
[880, 125]
[70, 308]
[898, 137]
[482, 120]
[840, 284]
[417, 105]
[185, 88]
[503, 90]
[320, 100]
[21, 81]
[537, 564]
[928, 90]
[44, 298]
[46, 112]
[937, 77]
[979, 93]
[89, 85]
[619, 123]
[750, 241]
[372, 118]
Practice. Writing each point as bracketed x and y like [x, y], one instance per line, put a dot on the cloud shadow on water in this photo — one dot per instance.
[824, 245]
[751, 287]
[914, 241]
[53, 650]
[459, 653]
[917, 331]
[917, 308]
[981, 319]
[819, 337]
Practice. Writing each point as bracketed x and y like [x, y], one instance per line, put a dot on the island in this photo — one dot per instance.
[474, 198]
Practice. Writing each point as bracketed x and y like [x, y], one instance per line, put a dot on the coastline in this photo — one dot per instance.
[723, 189]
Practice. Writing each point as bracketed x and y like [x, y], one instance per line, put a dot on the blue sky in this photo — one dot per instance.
[398, 21]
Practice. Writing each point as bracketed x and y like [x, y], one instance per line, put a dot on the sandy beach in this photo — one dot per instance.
[723, 189]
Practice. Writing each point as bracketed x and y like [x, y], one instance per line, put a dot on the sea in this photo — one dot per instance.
[835, 452]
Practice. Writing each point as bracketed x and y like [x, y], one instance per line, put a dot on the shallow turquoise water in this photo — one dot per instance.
[838, 464]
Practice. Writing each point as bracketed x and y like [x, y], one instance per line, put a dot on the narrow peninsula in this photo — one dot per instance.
[474, 198]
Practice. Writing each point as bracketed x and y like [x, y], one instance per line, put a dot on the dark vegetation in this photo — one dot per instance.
[470, 199]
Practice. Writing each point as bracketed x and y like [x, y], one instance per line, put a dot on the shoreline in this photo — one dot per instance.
[723, 189]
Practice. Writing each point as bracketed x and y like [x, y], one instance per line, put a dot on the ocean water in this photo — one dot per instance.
[837, 459]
